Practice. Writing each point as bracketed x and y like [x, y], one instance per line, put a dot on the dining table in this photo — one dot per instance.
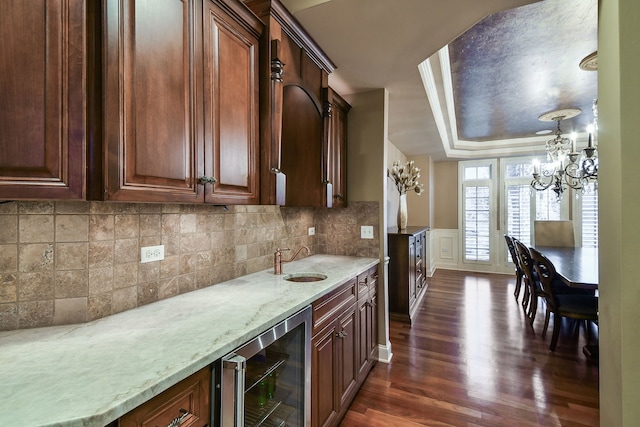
[576, 266]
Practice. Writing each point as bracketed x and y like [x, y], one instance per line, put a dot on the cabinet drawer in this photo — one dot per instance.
[187, 401]
[367, 282]
[331, 305]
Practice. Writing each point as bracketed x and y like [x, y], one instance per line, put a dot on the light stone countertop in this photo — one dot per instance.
[91, 374]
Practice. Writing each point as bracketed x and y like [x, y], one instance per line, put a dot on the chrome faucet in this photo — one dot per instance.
[277, 258]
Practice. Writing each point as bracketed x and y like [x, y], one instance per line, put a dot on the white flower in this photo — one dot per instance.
[406, 177]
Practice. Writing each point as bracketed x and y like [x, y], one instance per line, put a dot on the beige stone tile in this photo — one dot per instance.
[204, 260]
[72, 228]
[150, 225]
[8, 316]
[188, 263]
[171, 208]
[126, 250]
[124, 299]
[72, 207]
[36, 228]
[125, 275]
[101, 254]
[207, 223]
[241, 253]
[28, 207]
[186, 283]
[188, 223]
[100, 280]
[70, 311]
[170, 267]
[8, 258]
[151, 241]
[195, 242]
[101, 227]
[99, 306]
[9, 208]
[170, 224]
[171, 245]
[126, 226]
[102, 207]
[148, 272]
[35, 257]
[33, 314]
[127, 208]
[204, 278]
[147, 293]
[8, 229]
[150, 208]
[8, 288]
[36, 286]
[168, 287]
[71, 256]
[71, 284]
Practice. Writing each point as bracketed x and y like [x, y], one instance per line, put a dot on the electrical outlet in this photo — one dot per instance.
[312, 231]
[151, 253]
[366, 232]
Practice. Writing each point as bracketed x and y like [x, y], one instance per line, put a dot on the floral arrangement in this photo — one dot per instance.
[406, 177]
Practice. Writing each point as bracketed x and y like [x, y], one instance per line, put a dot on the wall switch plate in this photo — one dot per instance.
[312, 231]
[151, 253]
[366, 232]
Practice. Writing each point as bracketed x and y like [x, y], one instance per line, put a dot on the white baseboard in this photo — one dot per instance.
[384, 353]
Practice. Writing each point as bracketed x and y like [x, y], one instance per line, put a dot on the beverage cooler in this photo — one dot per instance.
[266, 382]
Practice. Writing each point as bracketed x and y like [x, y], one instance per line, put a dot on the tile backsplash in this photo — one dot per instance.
[73, 262]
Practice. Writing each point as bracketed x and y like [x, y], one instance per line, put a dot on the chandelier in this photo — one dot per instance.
[566, 167]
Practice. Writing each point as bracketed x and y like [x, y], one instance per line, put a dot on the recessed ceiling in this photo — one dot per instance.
[518, 59]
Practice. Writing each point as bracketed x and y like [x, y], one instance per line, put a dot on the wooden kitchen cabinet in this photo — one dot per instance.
[186, 404]
[344, 346]
[337, 109]
[407, 271]
[294, 121]
[43, 85]
[180, 102]
[368, 321]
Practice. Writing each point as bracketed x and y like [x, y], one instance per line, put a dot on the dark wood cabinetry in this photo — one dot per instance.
[186, 404]
[407, 271]
[344, 346]
[337, 110]
[294, 74]
[180, 102]
[43, 86]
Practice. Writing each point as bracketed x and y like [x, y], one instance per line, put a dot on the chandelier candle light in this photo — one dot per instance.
[405, 177]
[567, 167]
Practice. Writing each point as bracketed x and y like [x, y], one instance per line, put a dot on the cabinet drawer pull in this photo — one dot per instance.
[178, 420]
[341, 334]
[207, 180]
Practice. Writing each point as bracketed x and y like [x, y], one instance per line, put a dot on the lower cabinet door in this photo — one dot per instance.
[324, 402]
[186, 404]
[363, 342]
[347, 347]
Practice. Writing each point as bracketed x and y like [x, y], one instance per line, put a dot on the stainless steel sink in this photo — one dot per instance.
[305, 277]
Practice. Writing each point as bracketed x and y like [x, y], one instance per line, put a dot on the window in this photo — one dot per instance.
[478, 209]
[490, 187]
[589, 216]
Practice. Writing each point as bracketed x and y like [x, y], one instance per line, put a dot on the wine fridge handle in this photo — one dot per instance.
[239, 365]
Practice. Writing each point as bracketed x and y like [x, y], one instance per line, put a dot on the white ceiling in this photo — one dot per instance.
[381, 43]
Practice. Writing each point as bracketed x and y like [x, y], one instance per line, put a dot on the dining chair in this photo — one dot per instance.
[516, 262]
[531, 282]
[554, 233]
[576, 306]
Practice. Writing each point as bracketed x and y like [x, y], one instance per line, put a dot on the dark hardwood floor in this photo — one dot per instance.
[472, 359]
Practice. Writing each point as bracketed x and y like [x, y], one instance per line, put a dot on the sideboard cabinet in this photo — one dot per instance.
[407, 271]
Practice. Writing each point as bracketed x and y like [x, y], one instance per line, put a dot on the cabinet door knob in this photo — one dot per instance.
[207, 180]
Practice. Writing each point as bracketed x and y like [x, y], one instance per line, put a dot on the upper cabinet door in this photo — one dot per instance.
[231, 108]
[152, 118]
[338, 109]
[42, 118]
